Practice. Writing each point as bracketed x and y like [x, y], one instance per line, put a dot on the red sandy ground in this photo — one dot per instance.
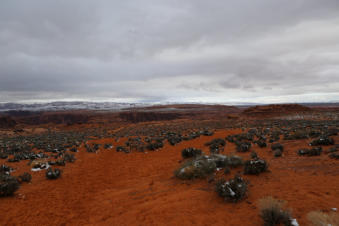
[111, 188]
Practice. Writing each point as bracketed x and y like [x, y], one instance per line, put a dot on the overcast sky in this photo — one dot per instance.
[263, 51]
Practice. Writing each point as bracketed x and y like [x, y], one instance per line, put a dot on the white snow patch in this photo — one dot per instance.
[38, 169]
[231, 191]
[294, 222]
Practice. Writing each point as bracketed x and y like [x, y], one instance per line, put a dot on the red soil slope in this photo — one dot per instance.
[111, 188]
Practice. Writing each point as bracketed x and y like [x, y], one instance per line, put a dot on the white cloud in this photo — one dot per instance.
[169, 50]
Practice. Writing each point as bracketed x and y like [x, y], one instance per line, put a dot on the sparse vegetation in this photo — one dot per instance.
[8, 185]
[232, 190]
[255, 166]
[53, 174]
[196, 168]
[316, 151]
[274, 213]
[318, 218]
[25, 177]
[190, 152]
[324, 140]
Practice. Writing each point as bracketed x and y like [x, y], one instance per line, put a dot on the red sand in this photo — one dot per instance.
[111, 188]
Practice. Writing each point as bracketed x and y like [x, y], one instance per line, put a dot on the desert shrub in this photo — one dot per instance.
[108, 146]
[25, 177]
[207, 133]
[215, 145]
[4, 169]
[314, 133]
[53, 174]
[253, 155]
[277, 146]
[277, 153]
[216, 141]
[322, 141]
[232, 190]
[310, 152]
[8, 185]
[227, 170]
[334, 156]
[230, 138]
[273, 213]
[3, 155]
[221, 161]
[261, 143]
[89, 148]
[96, 146]
[243, 146]
[173, 138]
[196, 168]
[255, 166]
[157, 144]
[190, 152]
[13, 160]
[234, 161]
[274, 138]
[122, 149]
[332, 132]
[297, 135]
[60, 162]
[332, 149]
[73, 149]
[69, 157]
[318, 218]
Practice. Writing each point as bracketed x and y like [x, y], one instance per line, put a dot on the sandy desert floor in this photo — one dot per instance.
[114, 188]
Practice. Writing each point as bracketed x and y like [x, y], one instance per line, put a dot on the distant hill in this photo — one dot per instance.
[275, 110]
[64, 105]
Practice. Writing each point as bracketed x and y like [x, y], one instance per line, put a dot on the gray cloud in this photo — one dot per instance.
[211, 51]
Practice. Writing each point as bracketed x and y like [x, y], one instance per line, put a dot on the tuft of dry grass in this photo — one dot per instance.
[273, 212]
[318, 218]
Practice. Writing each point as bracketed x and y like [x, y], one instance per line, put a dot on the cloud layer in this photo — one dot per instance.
[158, 51]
